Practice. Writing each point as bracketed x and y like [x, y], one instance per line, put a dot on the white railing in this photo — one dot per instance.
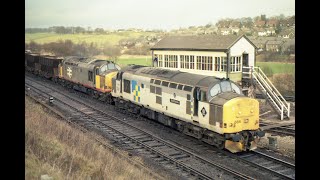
[269, 89]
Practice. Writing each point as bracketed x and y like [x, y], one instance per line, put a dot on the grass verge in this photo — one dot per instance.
[53, 147]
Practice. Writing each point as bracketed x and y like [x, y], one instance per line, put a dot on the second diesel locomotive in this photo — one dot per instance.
[213, 110]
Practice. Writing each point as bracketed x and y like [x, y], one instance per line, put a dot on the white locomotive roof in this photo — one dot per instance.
[173, 76]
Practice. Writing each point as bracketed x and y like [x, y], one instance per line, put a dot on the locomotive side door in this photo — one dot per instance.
[196, 97]
[119, 82]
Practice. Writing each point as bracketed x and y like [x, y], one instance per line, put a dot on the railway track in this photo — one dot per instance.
[201, 149]
[174, 157]
[287, 98]
[284, 130]
[284, 169]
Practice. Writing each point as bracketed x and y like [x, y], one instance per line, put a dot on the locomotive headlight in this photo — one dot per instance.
[239, 112]
[251, 110]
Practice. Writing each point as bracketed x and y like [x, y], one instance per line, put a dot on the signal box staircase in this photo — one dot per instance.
[269, 92]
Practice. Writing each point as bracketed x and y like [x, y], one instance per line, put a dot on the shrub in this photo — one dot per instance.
[285, 83]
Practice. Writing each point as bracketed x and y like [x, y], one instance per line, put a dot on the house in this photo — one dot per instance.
[215, 55]
[272, 23]
[262, 33]
[274, 45]
[259, 23]
[225, 31]
[287, 33]
[235, 30]
[289, 22]
[288, 46]
[260, 43]
[270, 31]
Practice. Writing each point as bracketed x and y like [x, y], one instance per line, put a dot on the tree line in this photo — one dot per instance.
[68, 48]
[65, 30]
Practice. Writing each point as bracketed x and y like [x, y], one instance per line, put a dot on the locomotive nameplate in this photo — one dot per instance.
[175, 101]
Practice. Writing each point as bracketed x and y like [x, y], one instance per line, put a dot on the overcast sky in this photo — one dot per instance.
[147, 14]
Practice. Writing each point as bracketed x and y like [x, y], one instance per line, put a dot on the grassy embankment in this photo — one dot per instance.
[53, 147]
[100, 39]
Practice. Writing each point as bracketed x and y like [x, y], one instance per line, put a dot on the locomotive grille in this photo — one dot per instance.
[158, 100]
[102, 82]
[188, 108]
[215, 114]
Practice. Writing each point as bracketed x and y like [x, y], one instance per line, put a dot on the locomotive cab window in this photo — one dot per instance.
[215, 90]
[235, 88]
[225, 86]
[111, 66]
[117, 67]
[228, 86]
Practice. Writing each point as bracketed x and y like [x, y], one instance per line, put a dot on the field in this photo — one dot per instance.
[100, 39]
[124, 60]
[277, 68]
[139, 60]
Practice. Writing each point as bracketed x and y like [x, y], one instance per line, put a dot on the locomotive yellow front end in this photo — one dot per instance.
[104, 75]
[241, 124]
[235, 116]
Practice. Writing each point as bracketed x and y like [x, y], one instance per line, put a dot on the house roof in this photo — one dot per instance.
[274, 42]
[272, 21]
[287, 32]
[202, 43]
[260, 22]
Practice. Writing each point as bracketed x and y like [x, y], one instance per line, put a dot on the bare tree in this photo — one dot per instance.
[112, 52]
